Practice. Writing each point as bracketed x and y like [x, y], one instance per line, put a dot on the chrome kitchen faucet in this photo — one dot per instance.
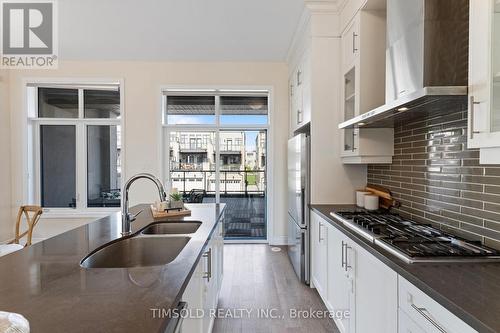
[127, 218]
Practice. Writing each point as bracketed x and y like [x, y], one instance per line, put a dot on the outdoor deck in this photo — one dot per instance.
[245, 216]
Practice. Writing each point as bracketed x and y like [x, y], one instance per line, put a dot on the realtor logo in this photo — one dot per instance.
[28, 37]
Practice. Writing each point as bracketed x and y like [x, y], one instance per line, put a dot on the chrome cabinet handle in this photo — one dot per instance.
[354, 49]
[178, 326]
[342, 258]
[319, 233]
[208, 273]
[423, 312]
[472, 103]
[299, 116]
[299, 77]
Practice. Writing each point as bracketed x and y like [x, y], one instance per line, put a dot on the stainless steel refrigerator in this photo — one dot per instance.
[298, 205]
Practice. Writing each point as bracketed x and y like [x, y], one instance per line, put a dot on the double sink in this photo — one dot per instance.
[157, 244]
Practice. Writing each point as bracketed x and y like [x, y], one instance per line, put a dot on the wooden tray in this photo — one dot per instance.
[172, 213]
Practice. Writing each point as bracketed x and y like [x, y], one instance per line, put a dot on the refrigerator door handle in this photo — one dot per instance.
[303, 203]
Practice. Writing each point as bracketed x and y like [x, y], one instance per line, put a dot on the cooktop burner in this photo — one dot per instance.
[413, 241]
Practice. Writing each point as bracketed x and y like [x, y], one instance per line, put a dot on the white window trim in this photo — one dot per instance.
[31, 156]
[165, 129]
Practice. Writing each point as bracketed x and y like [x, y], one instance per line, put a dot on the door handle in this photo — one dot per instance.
[319, 233]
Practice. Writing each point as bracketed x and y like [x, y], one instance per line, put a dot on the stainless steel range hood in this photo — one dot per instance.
[426, 62]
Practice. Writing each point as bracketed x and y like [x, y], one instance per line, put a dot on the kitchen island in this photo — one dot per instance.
[46, 284]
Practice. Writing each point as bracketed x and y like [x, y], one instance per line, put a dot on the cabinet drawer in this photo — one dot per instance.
[427, 313]
[406, 325]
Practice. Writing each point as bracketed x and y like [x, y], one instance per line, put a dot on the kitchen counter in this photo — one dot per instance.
[471, 291]
[47, 285]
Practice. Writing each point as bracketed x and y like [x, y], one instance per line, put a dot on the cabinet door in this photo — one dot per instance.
[350, 95]
[292, 103]
[484, 75]
[209, 285]
[350, 43]
[340, 282]
[306, 88]
[319, 235]
[299, 96]
[193, 296]
[376, 294]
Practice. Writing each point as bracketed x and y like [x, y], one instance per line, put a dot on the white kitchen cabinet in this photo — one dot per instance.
[202, 291]
[350, 43]
[341, 283]
[376, 294]
[319, 241]
[363, 68]
[426, 313]
[351, 274]
[300, 93]
[484, 78]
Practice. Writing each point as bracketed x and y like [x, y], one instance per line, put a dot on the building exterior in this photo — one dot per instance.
[192, 161]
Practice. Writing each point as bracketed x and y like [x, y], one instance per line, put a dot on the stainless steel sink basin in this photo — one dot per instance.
[162, 228]
[136, 252]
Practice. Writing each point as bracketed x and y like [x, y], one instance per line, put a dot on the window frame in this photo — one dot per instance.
[166, 129]
[32, 192]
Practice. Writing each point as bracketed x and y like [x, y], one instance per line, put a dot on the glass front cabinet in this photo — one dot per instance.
[484, 79]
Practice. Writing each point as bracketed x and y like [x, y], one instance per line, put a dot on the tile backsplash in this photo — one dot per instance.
[439, 181]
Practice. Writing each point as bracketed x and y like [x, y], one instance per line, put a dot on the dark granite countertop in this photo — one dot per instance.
[471, 291]
[46, 284]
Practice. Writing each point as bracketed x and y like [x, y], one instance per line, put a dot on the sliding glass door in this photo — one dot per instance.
[217, 152]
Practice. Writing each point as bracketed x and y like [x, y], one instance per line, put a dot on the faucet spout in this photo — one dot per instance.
[127, 218]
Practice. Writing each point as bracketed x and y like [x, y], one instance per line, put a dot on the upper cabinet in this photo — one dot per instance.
[300, 92]
[363, 87]
[484, 79]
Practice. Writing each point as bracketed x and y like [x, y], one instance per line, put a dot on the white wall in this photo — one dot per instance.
[142, 82]
[6, 216]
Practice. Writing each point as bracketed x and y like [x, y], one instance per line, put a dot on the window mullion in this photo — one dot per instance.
[217, 149]
[80, 166]
[80, 104]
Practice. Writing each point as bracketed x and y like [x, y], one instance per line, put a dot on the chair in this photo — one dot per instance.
[32, 215]
[195, 196]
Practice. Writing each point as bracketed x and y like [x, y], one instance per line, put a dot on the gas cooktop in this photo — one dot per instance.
[413, 241]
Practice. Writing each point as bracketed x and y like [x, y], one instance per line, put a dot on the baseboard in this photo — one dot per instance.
[279, 240]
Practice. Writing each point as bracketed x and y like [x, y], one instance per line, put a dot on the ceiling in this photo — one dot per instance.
[177, 30]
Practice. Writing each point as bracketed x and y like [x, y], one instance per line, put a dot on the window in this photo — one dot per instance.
[216, 144]
[76, 151]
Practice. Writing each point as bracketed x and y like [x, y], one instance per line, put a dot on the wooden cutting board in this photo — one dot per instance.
[170, 213]
[385, 197]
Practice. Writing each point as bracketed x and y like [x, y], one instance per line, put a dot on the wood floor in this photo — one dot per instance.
[257, 278]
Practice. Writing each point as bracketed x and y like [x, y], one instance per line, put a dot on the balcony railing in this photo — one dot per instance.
[231, 182]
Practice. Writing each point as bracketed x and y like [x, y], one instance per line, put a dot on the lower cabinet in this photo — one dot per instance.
[319, 240]
[341, 280]
[427, 314]
[361, 290]
[202, 291]
[365, 295]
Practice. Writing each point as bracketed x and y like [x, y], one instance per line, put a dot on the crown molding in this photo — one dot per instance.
[324, 6]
